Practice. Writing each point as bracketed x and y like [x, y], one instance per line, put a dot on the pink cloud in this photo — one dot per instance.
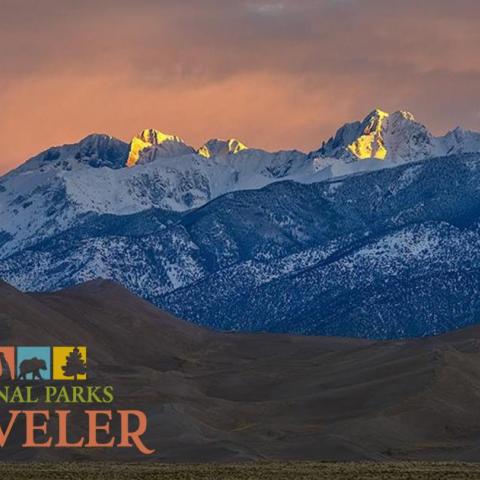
[276, 74]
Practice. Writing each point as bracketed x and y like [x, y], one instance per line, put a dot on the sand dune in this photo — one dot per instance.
[215, 397]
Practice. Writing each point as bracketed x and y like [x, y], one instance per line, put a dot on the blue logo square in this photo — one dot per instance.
[34, 363]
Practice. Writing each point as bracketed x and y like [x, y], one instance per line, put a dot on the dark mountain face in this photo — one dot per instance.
[387, 254]
[397, 256]
[96, 150]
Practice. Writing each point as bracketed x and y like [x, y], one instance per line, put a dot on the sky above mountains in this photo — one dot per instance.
[275, 74]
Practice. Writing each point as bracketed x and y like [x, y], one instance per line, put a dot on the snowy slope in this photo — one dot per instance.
[381, 254]
[51, 191]
[104, 175]
[35, 198]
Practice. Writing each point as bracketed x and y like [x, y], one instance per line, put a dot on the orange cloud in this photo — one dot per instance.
[275, 74]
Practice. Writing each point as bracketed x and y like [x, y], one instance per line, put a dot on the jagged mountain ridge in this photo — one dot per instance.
[384, 254]
[104, 175]
[50, 192]
[238, 238]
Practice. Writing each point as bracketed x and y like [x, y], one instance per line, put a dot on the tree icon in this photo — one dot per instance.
[75, 365]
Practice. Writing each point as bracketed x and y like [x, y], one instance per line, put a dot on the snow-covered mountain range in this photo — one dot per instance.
[241, 238]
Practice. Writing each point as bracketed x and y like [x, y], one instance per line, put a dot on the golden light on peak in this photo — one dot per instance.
[204, 151]
[147, 138]
[221, 147]
[235, 146]
[371, 144]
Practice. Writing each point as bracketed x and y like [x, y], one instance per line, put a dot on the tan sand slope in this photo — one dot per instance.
[213, 396]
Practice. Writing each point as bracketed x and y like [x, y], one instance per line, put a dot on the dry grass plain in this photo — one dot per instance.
[244, 471]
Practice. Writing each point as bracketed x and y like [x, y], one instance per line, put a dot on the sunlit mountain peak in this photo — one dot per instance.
[216, 147]
[148, 138]
[370, 144]
[155, 137]
[404, 114]
[378, 112]
[380, 135]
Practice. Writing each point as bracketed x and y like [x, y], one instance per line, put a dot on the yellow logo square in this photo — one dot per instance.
[70, 363]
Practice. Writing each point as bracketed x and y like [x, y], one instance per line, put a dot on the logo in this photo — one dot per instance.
[23, 368]
[43, 363]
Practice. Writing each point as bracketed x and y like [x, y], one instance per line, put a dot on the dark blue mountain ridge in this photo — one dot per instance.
[385, 254]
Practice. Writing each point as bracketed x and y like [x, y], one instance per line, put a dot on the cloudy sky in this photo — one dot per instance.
[274, 73]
